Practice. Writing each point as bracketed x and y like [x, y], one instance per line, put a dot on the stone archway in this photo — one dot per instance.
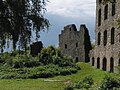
[98, 62]
[104, 65]
[111, 64]
[76, 59]
[93, 61]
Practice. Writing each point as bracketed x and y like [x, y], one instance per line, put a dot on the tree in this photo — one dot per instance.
[19, 18]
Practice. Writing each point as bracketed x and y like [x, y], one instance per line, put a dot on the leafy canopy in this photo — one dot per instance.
[19, 18]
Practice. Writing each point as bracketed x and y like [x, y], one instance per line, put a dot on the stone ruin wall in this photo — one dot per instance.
[72, 42]
[106, 57]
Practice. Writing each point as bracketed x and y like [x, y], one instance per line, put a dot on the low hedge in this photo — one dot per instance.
[35, 72]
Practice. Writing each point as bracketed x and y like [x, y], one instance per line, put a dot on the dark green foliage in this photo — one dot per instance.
[25, 61]
[52, 55]
[19, 61]
[1, 60]
[88, 82]
[16, 52]
[109, 83]
[69, 88]
[49, 55]
[85, 84]
[36, 72]
[18, 18]
[48, 63]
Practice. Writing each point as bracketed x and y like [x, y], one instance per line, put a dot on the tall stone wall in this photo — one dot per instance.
[75, 43]
[105, 55]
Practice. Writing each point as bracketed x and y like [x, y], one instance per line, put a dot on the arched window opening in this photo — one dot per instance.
[113, 8]
[93, 61]
[100, 1]
[104, 67]
[99, 17]
[106, 12]
[112, 35]
[65, 46]
[76, 44]
[76, 59]
[119, 62]
[119, 37]
[105, 38]
[99, 38]
[111, 64]
[98, 62]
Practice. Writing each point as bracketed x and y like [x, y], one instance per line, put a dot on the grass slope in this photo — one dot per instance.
[56, 83]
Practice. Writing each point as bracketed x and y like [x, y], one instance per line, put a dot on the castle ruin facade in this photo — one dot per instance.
[75, 43]
[106, 54]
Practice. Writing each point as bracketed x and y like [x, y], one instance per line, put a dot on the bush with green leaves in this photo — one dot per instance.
[49, 62]
[69, 88]
[109, 83]
[53, 55]
[20, 61]
[86, 83]
[49, 55]
[35, 72]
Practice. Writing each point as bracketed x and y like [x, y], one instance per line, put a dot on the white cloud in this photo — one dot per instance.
[71, 8]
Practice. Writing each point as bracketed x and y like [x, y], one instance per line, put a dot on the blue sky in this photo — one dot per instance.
[63, 12]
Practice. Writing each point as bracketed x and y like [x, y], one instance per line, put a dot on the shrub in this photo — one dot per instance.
[46, 54]
[65, 72]
[43, 74]
[52, 55]
[20, 61]
[8, 76]
[109, 83]
[35, 72]
[69, 88]
[85, 84]
[49, 62]
[6, 59]
[20, 52]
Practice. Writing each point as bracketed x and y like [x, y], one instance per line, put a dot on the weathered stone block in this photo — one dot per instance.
[75, 43]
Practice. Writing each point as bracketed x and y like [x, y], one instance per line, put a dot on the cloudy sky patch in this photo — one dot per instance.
[71, 8]
[64, 12]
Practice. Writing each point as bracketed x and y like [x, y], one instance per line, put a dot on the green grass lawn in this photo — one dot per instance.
[55, 83]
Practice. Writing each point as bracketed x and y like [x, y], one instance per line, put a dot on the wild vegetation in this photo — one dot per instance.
[19, 19]
[49, 62]
[61, 82]
[108, 83]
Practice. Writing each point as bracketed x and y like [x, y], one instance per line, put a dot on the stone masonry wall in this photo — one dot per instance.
[72, 42]
[106, 57]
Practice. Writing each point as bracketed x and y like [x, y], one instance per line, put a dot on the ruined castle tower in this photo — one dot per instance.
[106, 54]
[75, 43]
